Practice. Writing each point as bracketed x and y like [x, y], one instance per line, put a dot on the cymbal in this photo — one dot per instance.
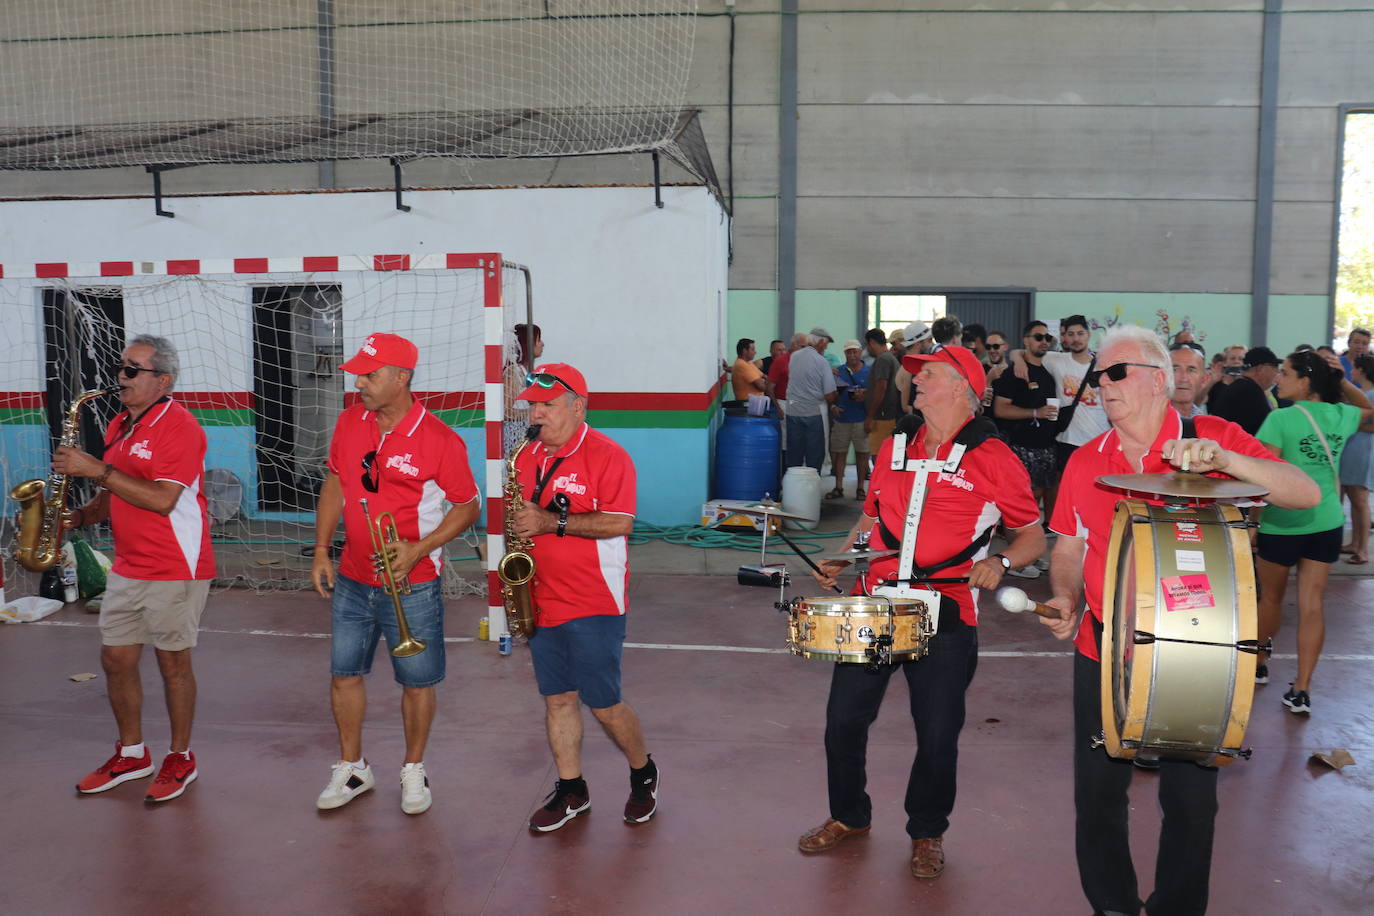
[748, 507]
[861, 554]
[1180, 484]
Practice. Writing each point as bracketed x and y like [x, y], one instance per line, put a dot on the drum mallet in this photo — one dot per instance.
[1014, 600]
[798, 551]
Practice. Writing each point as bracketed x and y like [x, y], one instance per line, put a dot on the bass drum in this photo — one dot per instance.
[1179, 633]
[847, 629]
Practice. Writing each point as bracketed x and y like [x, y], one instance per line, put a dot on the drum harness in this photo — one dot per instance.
[973, 434]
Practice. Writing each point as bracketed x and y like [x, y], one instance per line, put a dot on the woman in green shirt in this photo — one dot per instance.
[1326, 412]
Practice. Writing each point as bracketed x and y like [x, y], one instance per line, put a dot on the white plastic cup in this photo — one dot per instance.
[1053, 402]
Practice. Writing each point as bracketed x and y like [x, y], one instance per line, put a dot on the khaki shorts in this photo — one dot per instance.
[881, 430]
[843, 435]
[163, 612]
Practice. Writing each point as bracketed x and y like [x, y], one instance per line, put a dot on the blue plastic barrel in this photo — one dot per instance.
[747, 457]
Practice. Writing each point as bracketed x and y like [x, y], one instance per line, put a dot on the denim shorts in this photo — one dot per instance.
[362, 613]
[581, 655]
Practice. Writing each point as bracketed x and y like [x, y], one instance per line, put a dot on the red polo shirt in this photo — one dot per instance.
[580, 577]
[1085, 507]
[991, 483]
[165, 443]
[419, 464]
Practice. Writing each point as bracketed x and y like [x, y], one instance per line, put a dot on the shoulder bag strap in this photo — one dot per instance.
[1066, 415]
[1322, 437]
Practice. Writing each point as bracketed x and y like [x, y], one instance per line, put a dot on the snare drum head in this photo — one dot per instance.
[851, 605]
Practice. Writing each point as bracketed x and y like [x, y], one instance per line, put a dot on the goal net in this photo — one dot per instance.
[260, 346]
[179, 82]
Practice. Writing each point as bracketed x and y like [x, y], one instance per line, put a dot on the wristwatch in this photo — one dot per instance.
[1006, 564]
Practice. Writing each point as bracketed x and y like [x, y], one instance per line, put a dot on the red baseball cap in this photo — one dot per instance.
[960, 358]
[382, 350]
[552, 380]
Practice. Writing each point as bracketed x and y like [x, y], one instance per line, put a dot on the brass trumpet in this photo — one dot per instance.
[383, 533]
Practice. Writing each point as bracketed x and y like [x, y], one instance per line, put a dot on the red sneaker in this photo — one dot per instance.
[116, 770]
[178, 771]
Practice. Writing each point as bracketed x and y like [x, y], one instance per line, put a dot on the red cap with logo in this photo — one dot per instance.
[960, 358]
[549, 381]
[382, 350]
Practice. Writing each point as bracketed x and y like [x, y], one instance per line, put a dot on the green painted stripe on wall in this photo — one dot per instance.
[22, 416]
[649, 419]
[226, 416]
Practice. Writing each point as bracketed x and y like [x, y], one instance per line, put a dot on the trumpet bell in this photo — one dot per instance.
[409, 646]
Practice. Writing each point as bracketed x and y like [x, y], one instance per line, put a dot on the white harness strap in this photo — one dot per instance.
[923, 468]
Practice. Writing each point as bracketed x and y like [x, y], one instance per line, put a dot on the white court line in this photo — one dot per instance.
[982, 653]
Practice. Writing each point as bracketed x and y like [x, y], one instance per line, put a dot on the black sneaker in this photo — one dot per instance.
[1261, 674]
[643, 801]
[1297, 701]
[562, 805]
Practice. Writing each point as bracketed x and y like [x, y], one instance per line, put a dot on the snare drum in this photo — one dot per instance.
[845, 629]
[1179, 632]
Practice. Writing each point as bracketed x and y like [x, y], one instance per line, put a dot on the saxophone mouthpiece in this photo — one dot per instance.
[532, 432]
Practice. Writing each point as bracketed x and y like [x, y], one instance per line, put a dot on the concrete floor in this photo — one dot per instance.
[733, 720]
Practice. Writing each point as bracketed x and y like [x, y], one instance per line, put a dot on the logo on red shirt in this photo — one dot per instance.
[402, 464]
[569, 483]
[141, 450]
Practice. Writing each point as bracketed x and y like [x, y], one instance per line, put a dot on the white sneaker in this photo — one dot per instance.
[345, 784]
[415, 795]
[1025, 572]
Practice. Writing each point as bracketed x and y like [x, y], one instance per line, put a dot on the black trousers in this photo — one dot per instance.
[1187, 795]
[936, 684]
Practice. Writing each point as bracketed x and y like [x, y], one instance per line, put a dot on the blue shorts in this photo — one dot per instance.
[581, 655]
[362, 613]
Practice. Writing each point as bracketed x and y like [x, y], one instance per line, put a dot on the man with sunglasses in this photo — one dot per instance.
[1146, 436]
[389, 450]
[151, 488]
[578, 509]
[996, 349]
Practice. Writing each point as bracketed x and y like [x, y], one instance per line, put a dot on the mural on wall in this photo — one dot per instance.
[1164, 327]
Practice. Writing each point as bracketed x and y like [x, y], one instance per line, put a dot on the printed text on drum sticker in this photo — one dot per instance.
[1188, 532]
[1187, 593]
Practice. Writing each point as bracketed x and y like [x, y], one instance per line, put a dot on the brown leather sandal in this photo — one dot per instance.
[827, 835]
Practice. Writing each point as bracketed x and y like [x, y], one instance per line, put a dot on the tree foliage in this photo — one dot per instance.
[1355, 262]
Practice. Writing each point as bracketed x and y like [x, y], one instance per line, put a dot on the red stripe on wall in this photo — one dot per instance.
[50, 269]
[391, 262]
[319, 263]
[215, 400]
[183, 267]
[600, 400]
[250, 265]
[116, 268]
[27, 400]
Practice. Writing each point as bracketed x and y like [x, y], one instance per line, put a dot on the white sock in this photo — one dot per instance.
[359, 764]
[133, 750]
[186, 753]
[417, 764]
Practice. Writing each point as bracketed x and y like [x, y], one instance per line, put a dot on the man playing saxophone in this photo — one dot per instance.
[151, 489]
[579, 504]
[392, 452]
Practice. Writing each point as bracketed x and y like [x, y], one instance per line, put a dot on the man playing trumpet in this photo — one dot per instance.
[402, 460]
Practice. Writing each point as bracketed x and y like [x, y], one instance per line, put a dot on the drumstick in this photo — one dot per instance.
[1014, 600]
[797, 550]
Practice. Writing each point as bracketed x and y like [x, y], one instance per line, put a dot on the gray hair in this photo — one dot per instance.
[1150, 347]
[801, 339]
[164, 357]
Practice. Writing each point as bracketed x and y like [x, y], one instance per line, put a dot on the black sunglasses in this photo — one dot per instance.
[370, 479]
[1041, 337]
[1115, 372]
[994, 346]
[1189, 345]
[132, 371]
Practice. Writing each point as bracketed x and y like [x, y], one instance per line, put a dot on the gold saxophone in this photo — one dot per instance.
[516, 568]
[38, 542]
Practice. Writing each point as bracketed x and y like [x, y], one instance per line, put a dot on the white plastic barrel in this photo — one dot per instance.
[801, 493]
